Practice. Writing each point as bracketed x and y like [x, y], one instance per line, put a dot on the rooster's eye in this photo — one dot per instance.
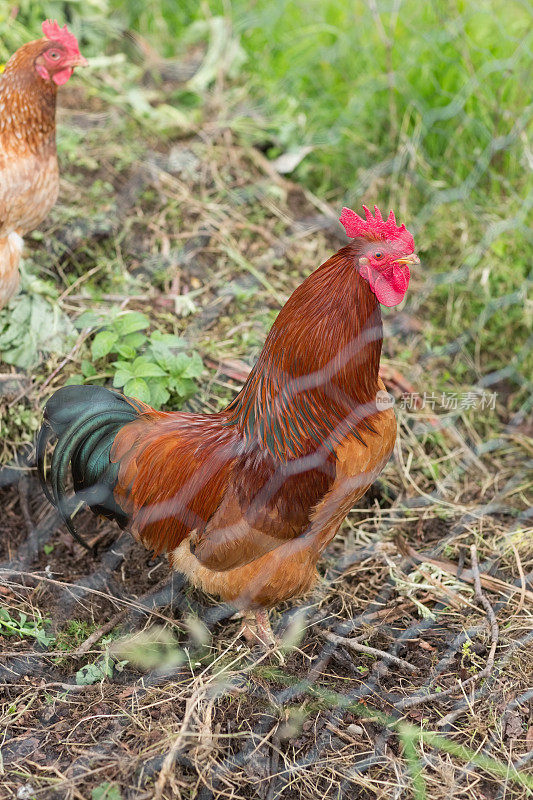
[378, 255]
[54, 55]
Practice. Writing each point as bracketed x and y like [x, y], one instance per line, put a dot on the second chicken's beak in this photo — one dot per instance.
[78, 61]
[409, 260]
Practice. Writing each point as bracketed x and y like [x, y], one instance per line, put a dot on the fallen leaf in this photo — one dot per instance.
[513, 725]
[288, 162]
[529, 739]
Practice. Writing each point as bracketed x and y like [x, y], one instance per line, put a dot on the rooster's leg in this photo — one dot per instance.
[257, 629]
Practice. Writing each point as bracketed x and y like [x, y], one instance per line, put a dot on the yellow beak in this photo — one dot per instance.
[412, 259]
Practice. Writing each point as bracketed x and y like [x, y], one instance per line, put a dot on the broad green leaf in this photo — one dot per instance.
[142, 367]
[121, 377]
[10, 334]
[159, 394]
[22, 356]
[130, 322]
[30, 326]
[169, 339]
[135, 339]
[103, 343]
[22, 310]
[88, 369]
[125, 350]
[123, 365]
[183, 386]
[93, 673]
[180, 362]
[89, 319]
[138, 388]
[194, 368]
[42, 637]
[163, 355]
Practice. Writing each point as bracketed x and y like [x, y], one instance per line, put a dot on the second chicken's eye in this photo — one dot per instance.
[54, 55]
[378, 255]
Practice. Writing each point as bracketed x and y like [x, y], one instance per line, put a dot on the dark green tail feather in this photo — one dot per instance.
[85, 420]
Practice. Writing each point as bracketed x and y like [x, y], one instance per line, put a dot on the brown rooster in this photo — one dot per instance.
[29, 177]
[245, 501]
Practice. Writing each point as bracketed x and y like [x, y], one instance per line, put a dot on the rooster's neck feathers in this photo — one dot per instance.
[316, 378]
[27, 103]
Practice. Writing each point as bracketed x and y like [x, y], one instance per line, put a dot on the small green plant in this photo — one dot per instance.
[124, 335]
[31, 325]
[106, 791]
[469, 660]
[155, 648]
[18, 423]
[74, 634]
[164, 369]
[99, 670]
[24, 626]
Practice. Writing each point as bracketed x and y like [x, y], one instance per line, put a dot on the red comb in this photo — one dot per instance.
[374, 227]
[54, 33]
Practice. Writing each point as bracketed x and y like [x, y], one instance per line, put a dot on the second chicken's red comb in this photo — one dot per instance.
[54, 33]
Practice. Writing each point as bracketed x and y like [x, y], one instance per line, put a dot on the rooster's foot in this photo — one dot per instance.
[257, 629]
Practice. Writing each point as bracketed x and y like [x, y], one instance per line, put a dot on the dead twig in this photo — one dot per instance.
[69, 687]
[487, 581]
[410, 702]
[170, 758]
[116, 619]
[522, 581]
[491, 616]
[23, 490]
[371, 651]
[98, 634]
[450, 718]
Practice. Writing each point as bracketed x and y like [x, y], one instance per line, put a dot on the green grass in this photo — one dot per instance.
[73, 634]
[358, 83]
[422, 107]
[425, 110]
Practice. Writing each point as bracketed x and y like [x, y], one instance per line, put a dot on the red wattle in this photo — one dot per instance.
[390, 289]
[60, 78]
[42, 72]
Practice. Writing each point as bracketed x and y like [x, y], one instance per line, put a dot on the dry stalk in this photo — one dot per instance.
[371, 651]
[23, 490]
[522, 581]
[170, 758]
[411, 702]
[487, 581]
[115, 620]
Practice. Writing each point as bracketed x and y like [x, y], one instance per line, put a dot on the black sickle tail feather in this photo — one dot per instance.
[85, 420]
